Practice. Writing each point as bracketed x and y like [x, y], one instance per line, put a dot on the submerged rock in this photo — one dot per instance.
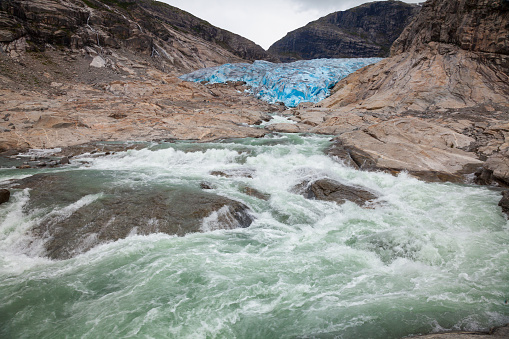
[255, 193]
[330, 190]
[90, 214]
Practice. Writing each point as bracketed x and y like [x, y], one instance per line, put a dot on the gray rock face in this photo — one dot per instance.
[330, 190]
[364, 31]
[116, 214]
[171, 37]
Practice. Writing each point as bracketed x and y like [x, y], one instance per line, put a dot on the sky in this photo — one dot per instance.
[264, 21]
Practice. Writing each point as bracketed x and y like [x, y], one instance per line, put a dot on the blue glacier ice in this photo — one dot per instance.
[290, 83]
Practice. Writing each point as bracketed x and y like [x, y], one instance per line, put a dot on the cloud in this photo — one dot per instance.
[263, 21]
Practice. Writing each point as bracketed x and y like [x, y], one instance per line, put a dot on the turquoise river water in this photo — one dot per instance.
[424, 257]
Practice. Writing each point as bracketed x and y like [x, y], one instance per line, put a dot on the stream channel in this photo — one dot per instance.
[421, 257]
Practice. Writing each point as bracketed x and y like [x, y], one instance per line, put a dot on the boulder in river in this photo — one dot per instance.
[330, 190]
[93, 214]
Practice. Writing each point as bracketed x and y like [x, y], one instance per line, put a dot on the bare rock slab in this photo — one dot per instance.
[408, 144]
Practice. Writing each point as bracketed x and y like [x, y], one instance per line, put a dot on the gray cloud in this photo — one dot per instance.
[263, 21]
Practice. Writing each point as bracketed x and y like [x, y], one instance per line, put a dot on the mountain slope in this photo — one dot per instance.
[147, 28]
[450, 64]
[455, 54]
[364, 31]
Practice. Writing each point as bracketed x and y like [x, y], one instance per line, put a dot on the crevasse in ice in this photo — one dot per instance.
[290, 83]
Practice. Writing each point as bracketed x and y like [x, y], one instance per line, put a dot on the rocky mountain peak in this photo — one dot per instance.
[367, 30]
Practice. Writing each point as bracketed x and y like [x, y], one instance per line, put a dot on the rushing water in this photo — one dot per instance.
[424, 257]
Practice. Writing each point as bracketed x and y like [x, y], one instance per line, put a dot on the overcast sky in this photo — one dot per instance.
[264, 21]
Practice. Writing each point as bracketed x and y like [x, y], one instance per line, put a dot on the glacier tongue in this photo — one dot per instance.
[290, 83]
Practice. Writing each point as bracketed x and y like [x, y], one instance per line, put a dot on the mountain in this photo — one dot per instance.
[453, 55]
[171, 38]
[364, 31]
[78, 71]
[450, 66]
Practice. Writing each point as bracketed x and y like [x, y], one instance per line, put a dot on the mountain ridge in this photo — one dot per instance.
[367, 30]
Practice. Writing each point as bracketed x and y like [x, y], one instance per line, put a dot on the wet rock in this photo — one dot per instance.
[233, 173]
[494, 333]
[96, 213]
[4, 195]
[330, 190]
[495, 170]
[65, 161]
[255, 193]
[504, 202]
[206, 186]
[422, 148]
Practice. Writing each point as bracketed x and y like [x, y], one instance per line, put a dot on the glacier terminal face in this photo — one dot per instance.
[290, 83]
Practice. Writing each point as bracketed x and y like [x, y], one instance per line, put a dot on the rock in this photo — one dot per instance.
[165, 35]
[206, 186]
[255, 193]
[114, 214]
[286, 128]
[330, 190]
[65, 161]
[504, 202]
[4, 195]
[408, 144]
[367, 30]
[495, 170]
[446, 58]
[494, 333]
[98, 62]
[46, 121]
[233, 173]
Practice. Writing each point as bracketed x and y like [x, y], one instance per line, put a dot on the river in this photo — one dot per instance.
[423, 257]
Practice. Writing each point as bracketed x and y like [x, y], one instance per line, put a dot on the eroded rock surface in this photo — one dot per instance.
[409, 144]
[91, 215]
[495, 333]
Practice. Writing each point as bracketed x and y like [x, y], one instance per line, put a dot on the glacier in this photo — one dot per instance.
[289, 83]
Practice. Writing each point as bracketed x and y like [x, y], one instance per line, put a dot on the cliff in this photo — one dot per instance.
[364, 31]
[453, 55]
[450, 65]
[174, 39]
